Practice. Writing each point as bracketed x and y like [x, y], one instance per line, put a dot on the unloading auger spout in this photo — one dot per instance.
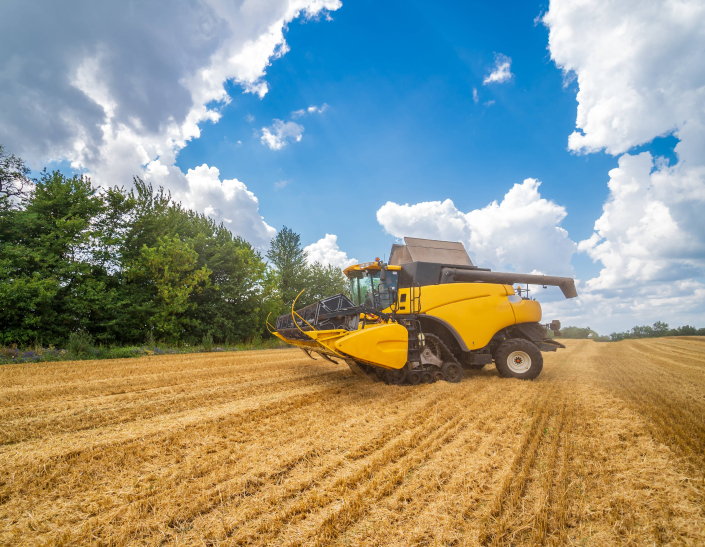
[455, 275]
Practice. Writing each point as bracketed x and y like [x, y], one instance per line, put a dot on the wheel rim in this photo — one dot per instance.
[452, 372]
[414, 378]
[396, 376]
[519, 362]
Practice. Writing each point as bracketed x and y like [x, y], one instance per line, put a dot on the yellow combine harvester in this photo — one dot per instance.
[427, 315]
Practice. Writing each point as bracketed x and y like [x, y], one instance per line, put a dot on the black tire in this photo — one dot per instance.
[414, 378]
[452, 372]
[518, 358]
[427, 377]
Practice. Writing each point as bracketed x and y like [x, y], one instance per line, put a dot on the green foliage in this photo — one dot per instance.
[289, 260]
[132, 266]
[169, 268]
[207, 342]
[293, 273]
[658, 330]
[578, 333]
[326, 281]
[79, 344]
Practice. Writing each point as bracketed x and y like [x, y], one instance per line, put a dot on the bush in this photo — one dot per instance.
[207, 342]
[79, 344]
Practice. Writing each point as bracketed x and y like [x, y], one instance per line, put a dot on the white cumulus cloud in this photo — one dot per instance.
[639, 65]
[640, 71]
[229, 201]
[521, 233]
[277, 135]
[119, 92]
[502, 70]
[326, 251]
[313, 109]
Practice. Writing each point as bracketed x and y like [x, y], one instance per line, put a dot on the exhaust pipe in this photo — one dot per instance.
[457, 275]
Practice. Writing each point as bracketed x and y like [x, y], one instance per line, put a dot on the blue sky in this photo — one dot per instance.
[603, 106]
[403, 125]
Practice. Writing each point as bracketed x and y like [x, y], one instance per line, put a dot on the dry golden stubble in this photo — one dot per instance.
[436, 503]
[230, 462]
[495, 521]
[673, 414]
[138, 375]
[103, 411]
[433, 422]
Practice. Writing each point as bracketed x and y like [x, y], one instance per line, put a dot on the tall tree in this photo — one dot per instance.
[51, 285]
[289, 259]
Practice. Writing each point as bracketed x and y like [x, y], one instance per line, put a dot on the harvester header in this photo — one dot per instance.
[429, 314]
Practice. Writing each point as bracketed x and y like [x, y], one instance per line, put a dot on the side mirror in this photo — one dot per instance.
[383, 275]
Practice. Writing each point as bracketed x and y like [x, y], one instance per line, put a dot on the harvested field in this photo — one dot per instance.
[607, 447]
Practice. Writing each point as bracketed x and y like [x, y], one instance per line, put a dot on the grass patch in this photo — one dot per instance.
[81, 347]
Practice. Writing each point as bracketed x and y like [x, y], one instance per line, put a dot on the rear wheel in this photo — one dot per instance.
[518, 358]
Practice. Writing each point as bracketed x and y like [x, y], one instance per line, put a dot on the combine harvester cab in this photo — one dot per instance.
[429, 314]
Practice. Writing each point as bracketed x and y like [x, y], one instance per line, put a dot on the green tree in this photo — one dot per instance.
[234, 307]
[51, 287]
[577, 332]
[289, 260]
[660, 328]
[170, 268]
[326, 281]
[117, 266]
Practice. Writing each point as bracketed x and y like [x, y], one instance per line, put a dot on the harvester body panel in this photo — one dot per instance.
[384, 345]
[477, 311]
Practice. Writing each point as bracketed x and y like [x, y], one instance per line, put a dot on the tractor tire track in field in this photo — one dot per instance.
[434, 426]
[271, 448]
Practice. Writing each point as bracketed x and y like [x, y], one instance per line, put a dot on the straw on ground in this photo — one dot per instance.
[607, 447]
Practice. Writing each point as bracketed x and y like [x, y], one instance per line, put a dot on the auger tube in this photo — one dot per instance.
[457, 275]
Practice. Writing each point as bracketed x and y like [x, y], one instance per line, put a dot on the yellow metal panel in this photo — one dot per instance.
[527, 311]
[384, 345]
[321, 340]
[476, 310]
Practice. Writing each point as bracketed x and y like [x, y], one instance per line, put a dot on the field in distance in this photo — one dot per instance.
[607, 447]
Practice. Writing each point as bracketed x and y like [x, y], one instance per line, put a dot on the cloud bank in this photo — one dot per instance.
[118, 92]
[640, 71]
[520, 233]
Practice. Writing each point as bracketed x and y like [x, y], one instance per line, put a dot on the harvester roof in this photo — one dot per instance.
[429, 250]
[432, 262]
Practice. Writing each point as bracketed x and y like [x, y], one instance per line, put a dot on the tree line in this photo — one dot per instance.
[123, 266]
[658, 330]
